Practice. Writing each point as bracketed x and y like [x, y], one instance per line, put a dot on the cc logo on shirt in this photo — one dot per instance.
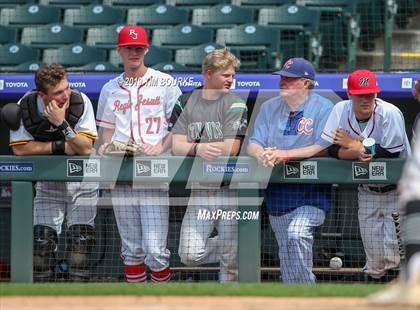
[305, 126]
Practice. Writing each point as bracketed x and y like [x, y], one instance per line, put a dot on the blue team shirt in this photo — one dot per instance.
[277, 126]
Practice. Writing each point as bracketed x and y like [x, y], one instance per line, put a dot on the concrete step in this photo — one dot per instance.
[400, 61]
[403, 40]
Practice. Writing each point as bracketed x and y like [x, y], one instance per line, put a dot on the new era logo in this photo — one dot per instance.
[369, 171]
[75, 167]
[360, 171]
[143, 168]
[156, 168]
[83, 168]
[291, 170]
[301, 170]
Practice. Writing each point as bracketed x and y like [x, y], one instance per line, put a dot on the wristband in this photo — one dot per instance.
[67, 131]
[58, 147]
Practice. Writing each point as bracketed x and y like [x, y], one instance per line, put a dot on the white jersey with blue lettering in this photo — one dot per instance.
[138, 109]
[386, 126]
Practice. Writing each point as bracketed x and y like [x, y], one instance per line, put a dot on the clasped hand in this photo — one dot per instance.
[271, 157]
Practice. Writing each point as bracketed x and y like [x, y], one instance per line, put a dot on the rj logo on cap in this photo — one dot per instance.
[133, 34]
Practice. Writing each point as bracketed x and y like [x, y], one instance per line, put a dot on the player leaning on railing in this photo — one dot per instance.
[208, 123]
[133, 110]
[365, 117]
[56, 120]
[289, 126]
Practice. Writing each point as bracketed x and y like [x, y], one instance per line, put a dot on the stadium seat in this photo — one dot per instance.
[190, 4]
[257, 45]
[170, 67]
[49, 36]
[156, 55]
[157, 16]
[8, 35]
[222, 16]
[95, 67]
[93, 15]
[193, 57]
[261, 3]
[13, 3]
[68, 3]
[290, 17]
[115, 59]
[27, 66]
[336, 15]
[182, 36]
[104, 37]
[29, 15]
[74, 55]
[15, 54]
[127, 4]
[299, 28]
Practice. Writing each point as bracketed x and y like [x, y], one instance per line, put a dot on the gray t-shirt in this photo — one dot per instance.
[204, 120]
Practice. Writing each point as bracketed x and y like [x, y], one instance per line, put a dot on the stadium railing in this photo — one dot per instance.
[177, 169]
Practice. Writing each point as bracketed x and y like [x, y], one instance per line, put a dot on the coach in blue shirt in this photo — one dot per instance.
[289, 126]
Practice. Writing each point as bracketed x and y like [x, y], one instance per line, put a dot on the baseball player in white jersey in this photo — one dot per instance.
[208, 123]
[136, 107]
[350, 122]
[59, 121]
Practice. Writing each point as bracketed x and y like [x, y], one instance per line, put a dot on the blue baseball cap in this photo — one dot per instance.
[297, 68]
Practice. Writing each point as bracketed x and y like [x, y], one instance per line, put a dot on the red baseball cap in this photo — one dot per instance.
[132, 35]
[362, 82]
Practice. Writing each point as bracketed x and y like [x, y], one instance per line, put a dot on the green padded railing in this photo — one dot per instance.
[22, 171]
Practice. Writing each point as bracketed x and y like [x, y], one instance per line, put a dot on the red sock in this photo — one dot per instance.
[135, 273]
[162, 276]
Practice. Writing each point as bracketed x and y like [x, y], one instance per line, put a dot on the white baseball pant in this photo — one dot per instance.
[294, 232]
[377, 230]
[75, 200]
[195, 247]
[142, 217]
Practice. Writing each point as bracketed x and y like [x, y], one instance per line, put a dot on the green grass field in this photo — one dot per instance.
[189, 289]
